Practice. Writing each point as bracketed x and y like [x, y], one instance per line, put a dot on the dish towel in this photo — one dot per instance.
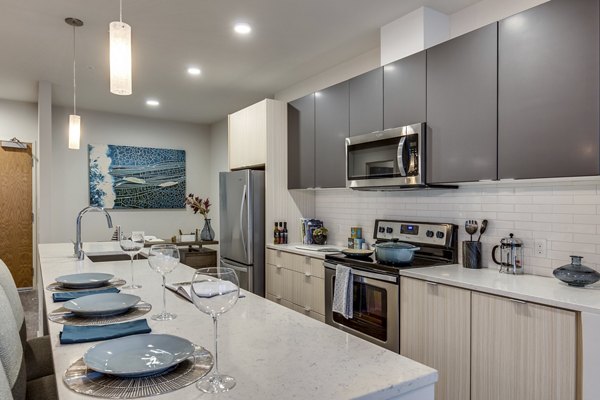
[81, 334]
[66, 296]
[343, 292]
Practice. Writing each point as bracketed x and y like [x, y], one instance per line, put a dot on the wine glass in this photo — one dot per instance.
[163, 258]
[214, 292]
[132, 244]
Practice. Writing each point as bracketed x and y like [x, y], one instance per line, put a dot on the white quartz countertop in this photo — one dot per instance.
[532, 288]
[273, 352]
[293, 248]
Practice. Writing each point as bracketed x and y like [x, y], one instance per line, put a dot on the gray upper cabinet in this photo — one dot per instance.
[462, 108]
[548, 91]
[331, 131]
[404, 91]
[366, 102]
[301, 143]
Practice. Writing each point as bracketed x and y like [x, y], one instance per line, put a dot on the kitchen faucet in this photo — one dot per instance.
[78, 245]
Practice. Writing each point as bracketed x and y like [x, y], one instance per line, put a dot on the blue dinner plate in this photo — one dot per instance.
[84, 280]
[101, 305]
[139, 355]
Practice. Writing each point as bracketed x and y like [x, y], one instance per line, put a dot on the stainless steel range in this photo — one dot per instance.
[376, 289]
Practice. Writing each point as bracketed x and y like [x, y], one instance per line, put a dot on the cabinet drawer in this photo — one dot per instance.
[309, 292]
[309, 313]
[279, 282]
[280, 301]
[280, 258]
[309, 266]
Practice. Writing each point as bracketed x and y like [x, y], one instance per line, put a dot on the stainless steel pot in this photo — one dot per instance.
[395, 252]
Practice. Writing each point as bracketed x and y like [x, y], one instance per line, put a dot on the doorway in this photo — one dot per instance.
[16, 218]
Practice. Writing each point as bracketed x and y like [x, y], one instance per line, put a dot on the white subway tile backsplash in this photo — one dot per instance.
[565, 214]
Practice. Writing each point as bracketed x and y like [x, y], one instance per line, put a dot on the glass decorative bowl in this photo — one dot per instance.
[575, 274]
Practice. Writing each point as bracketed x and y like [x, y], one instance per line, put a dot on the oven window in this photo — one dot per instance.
[370, 311]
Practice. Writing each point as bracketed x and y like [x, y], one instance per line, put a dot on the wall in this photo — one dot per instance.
[19, 119]
[565, 214]
[218, 163]
[70, 173]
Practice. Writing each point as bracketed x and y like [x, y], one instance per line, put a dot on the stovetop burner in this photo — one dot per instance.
[437, 242]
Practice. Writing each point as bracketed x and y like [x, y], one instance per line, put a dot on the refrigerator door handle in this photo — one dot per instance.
[243, 203]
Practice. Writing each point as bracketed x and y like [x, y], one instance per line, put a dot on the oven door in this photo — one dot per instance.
[388, 158]
[376, 307]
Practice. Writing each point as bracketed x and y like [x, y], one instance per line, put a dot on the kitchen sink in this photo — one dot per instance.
[113, 257]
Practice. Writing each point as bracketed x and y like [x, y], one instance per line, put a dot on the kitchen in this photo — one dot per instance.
[559, 213]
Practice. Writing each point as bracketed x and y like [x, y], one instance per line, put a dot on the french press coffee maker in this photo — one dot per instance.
[511, 255]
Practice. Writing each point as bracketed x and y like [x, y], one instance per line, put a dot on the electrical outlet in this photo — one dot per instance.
[540, 248]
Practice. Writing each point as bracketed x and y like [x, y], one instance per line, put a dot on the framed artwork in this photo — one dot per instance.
[136, 177]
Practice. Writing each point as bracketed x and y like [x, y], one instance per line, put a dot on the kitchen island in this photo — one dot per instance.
[271, 351]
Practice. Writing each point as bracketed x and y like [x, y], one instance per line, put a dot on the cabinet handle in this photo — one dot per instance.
[307, 274]
[277, 298]
[306, 309]
[431, 283]
[518, 301]
[278, 267]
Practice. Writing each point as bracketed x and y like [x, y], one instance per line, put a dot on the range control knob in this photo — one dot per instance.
[381, 229]
[389, 230]
[429, 234]
[439, 235]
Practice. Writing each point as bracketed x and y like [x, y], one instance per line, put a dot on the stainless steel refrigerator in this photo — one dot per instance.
[242, 226]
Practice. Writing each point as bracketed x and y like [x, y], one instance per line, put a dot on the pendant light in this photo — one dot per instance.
[74, 119]
[120, 55]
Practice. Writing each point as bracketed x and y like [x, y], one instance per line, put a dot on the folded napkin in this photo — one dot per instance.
[81, 334]
[343, 292]
[66, 296]
[214, 288]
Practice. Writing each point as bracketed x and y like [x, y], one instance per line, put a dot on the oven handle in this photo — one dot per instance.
[400, 156]
[365, 274]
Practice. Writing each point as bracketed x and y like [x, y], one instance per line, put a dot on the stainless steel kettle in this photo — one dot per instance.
[511, 255]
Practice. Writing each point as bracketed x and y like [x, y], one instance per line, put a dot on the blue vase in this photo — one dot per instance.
[207, 233]
[575, 274]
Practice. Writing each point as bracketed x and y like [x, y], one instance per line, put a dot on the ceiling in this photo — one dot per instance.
[291, 40]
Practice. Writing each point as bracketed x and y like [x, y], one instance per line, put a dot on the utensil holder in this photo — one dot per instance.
[471, 254]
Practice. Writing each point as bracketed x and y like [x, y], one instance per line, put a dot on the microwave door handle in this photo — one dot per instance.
[400, 156]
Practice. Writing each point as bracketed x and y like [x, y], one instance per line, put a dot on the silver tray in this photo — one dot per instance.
[80, 379]
[63, 316]
[56, 287]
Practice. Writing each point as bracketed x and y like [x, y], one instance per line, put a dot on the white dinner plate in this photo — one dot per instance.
[138, 355]
[84, 280]
[101, 305]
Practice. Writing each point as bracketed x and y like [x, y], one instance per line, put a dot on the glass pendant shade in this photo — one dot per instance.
[74, 131]
[120, 58]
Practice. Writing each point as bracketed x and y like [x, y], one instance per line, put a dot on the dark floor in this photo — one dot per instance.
[29, 299]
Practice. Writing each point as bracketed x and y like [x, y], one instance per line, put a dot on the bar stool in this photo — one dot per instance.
[38, 351]
[13, 360]
[5, 392]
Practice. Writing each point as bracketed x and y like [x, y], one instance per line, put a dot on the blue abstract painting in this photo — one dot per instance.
[136, 177]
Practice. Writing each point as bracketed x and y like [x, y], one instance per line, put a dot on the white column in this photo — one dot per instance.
[44, 165]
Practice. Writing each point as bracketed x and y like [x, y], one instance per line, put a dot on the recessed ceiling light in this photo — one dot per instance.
[152, 103]
[242, 28]
[194, 71]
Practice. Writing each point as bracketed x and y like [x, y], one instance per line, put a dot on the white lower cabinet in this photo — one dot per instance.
[435, 325]
[296, 282]
[522, 350]
[488, 347]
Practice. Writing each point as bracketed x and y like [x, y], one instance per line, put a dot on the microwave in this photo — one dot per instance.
[387, 160]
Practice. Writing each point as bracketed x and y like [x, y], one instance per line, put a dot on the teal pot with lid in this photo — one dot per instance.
[395, 252]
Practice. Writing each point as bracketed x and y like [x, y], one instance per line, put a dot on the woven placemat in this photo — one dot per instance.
[80, 379]
[63, 316]
[114, 282]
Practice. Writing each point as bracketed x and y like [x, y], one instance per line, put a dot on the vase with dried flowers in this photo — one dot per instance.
[202, 206]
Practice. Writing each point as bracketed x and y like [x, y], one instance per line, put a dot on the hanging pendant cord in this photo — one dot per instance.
[74, 80]
[120, 10]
